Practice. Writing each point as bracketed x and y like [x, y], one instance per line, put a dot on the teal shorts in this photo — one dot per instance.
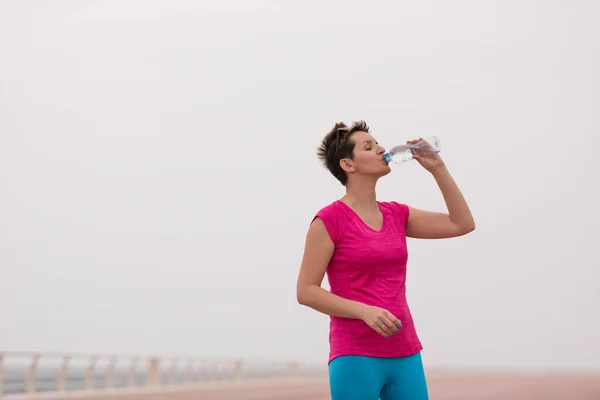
[374, 378]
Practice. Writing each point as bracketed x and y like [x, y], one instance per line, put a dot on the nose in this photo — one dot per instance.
[380, 149]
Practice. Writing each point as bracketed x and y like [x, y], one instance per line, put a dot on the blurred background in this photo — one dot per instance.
[158, 172]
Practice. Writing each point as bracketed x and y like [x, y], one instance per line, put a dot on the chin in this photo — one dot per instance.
[386, 170]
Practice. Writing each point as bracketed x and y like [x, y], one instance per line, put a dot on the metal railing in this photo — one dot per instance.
[30, 373]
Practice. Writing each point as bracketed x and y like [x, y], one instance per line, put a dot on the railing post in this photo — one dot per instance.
[62, 375]
[89, 374]
[131, 381]
[202, 371]
[152, 379]
[30, 386]
[173, 372]
[239, 370]
[213, 370]
[189, 370]
[109, 378]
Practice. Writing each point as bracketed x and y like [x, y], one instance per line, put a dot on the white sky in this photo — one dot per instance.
[158, 171]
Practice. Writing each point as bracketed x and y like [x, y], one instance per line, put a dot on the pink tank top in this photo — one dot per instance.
[369, 266]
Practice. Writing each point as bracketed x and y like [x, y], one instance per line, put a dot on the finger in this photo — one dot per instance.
[396, 324]
[388, 321]
[381, 332]
[393, 326]
[386, 330]
[388, 325]
[395, 321]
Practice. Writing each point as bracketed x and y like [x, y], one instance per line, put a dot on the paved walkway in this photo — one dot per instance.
[442, 387]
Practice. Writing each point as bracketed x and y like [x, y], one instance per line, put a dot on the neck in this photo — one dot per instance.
[361, 195]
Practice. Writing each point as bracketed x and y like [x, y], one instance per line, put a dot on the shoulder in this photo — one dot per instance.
[330, 210]
[400, 210]
[329, 216]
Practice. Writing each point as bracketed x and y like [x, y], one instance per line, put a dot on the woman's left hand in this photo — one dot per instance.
[428, 161]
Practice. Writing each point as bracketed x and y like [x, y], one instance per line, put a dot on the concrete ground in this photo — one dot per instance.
[441, 387]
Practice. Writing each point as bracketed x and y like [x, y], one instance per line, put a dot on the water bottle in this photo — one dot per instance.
[404, 152]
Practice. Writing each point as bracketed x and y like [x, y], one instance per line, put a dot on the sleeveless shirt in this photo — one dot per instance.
[369, 266]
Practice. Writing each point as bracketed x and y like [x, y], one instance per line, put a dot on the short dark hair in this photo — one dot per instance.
[338, 144]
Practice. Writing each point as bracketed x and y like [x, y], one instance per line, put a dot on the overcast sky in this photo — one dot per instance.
[158, 171]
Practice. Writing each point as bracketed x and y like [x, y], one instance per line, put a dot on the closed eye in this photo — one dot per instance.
[368, 143]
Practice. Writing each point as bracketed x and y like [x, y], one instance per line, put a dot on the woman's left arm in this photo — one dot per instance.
[435, 225]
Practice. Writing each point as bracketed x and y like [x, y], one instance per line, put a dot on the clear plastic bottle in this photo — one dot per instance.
[404, 152]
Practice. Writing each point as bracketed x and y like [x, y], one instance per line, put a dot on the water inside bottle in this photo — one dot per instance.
[399, 154]
[404, 152]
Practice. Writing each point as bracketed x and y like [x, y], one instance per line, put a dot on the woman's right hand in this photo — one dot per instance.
[381, 320]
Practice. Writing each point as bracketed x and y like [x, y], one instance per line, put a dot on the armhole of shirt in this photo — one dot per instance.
[402, 211]
[329, 218]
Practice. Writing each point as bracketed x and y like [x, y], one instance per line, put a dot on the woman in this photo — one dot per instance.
[361, 244]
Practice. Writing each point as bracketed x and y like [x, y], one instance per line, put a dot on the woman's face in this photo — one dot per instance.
[368, 157]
